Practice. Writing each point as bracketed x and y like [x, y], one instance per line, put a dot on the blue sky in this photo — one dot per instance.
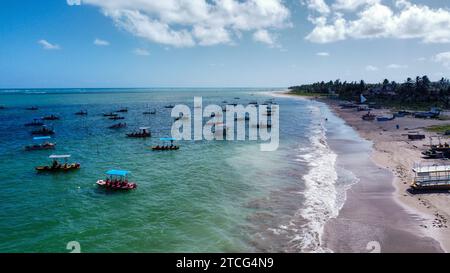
[261, 43]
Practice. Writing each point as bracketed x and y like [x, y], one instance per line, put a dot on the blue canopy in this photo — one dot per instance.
[117, 172]
[42, 138]
[167, 139]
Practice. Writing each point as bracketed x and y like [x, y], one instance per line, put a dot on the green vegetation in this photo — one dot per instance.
[418, 94]
[439, 128]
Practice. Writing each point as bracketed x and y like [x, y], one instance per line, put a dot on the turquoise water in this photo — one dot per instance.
[210, 196]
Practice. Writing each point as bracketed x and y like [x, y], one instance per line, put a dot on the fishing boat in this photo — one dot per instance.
[118, 126]
[46, 145]
[253, 103]
[56, 166]
[32, 108]
[432, 177]
[437, 151]
[170, 106]
[166, 147]
[116, 118]
[368, 117]
[122, 110]
[385, 118]
[143, 132]
[82, 113]
[149, 112]
[51, 117]
[110, 114]
[117, 180]
[44, 131]
[35, 122]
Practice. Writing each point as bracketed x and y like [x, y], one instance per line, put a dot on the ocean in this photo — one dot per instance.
[209, 196]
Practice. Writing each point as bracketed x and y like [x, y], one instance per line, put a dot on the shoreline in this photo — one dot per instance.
[378, 207]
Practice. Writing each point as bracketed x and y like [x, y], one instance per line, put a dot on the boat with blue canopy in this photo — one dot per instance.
[143, 132]
[44, 145]
[117, 180]
[56, 166]
[166, 147]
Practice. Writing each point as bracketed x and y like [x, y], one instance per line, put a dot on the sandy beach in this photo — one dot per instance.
[379, 208]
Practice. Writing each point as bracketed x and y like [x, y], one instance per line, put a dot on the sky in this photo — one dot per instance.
[220, 43]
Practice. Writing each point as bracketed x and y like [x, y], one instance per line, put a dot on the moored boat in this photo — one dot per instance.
[116, 118]
[56, 166]
[143, 132]
[44, 131]
[35, 122]
[51, 117]
[81, 113]
[46, 145]
[118, 126]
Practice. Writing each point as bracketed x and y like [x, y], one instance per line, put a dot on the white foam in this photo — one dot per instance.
[321, 202]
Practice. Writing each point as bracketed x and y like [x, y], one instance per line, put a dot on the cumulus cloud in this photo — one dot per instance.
[317, 5]
[100, 42]
[371, 68]
[443, 58]
[368, 19]
[48, 46]
[323, 54]
[141, 52]
[184, 23]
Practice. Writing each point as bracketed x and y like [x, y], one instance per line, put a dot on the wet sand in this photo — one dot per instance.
[379, 213]
[404, 215]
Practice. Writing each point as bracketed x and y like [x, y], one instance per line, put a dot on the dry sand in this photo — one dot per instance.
[380, 208]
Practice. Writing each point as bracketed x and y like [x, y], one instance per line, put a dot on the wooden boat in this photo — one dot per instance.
[32, 108]
[385, 118]
[58, 167]
[433, 177]
[116, 180]
[122, 110]
[44, 131]
[51, 117]
[416, 136]
[111, 114]
[41, 146]
[142, 133]
[118, 126]
[35, 122]
[149, 112]
[116, 118]
[81, 113]
[170, 106]
[166, 147]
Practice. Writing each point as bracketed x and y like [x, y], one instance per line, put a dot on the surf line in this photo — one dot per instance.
[263, 123]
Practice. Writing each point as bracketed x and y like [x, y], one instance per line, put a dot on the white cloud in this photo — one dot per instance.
[263, 36]
[48, 46]
[100, 42]
[371, 68]
[317, 5]
[323, 54]
[183, 23]
[376, 20]
[141, 52]
[397, 66]
[443, 58]
[351, 5]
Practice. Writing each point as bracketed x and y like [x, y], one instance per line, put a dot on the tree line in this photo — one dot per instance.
[412, 92]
